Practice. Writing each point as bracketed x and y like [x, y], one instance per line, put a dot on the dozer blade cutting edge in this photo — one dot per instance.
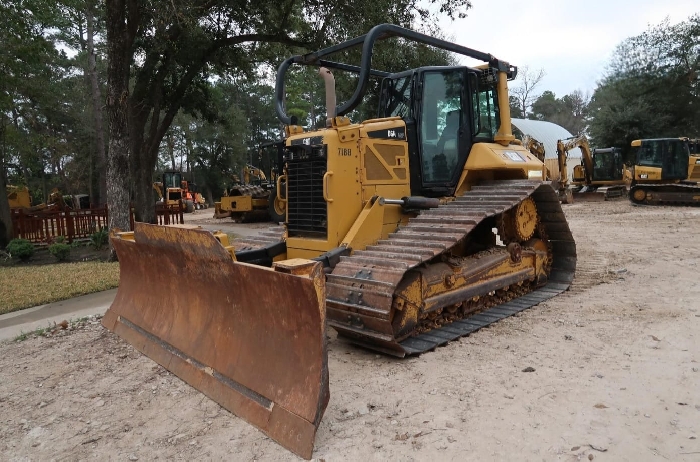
[252, 339]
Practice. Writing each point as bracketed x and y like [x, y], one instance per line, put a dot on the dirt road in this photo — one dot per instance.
[616, 376]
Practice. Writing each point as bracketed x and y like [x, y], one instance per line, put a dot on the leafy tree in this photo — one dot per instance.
[652, 88]
[25, 88]
[570, 112]
[179, 44]
[83, 33]
[515, 110]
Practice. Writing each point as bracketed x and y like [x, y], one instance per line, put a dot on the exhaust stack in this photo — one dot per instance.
[329, 80]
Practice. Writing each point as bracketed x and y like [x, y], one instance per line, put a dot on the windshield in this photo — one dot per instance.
[172, 180]
[654, 153]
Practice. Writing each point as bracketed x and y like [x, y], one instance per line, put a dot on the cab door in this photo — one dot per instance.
[444, 128]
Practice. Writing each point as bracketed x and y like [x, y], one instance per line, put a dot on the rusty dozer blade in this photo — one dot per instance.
[252, 339]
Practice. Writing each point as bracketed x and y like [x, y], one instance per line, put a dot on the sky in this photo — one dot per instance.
[571, 40]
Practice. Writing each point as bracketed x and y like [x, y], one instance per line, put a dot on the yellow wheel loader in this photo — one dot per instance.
[402, 233]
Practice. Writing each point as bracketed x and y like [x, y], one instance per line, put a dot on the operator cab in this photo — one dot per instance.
[446, 110]
[671, 155]
[607, 164]
[172, 180]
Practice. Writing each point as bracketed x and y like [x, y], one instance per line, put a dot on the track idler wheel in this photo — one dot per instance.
[520, 222]
[638, 195]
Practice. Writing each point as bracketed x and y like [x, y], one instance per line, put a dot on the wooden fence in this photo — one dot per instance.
[43, 226]
[169, 214]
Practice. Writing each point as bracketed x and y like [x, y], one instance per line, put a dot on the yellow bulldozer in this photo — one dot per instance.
[19, 198]
[403, 233]
[665, 172]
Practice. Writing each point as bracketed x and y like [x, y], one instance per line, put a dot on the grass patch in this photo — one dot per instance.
[50, 330]
[26, 286]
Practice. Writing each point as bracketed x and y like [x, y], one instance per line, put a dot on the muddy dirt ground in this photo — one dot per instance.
[616, 376]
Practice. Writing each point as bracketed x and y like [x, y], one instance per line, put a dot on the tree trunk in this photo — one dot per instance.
[117, 109]
[97, 106]
[171, 149]
[144, 200]
[143, 164]
[6, 231]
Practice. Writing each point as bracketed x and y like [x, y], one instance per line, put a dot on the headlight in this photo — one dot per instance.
[534, 174]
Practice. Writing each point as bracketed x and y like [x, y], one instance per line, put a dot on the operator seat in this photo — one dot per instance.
[450, 130]
[446, 155]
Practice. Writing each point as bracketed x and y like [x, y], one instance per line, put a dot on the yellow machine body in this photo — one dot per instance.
[18, 196]
[360, 168]
[665, 172]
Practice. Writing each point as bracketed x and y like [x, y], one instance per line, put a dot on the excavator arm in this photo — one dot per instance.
[562, 155]
[250, 171]
[534, 146]
[158, 187]
[580, 141]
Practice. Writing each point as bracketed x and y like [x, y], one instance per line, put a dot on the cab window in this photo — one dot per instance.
[440, 122]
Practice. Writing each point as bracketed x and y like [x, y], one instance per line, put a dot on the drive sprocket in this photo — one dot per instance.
[519, 223]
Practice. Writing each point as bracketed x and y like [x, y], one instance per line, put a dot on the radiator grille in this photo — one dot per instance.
[307, 213]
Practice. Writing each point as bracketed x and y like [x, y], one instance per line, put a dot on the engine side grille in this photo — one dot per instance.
[307, 213]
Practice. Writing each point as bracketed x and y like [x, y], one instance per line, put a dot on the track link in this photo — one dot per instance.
[271, 235]
[361, 287]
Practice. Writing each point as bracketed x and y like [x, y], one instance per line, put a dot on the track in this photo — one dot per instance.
[666, 194]
[272, 235]
[602, 193]
[361, 288]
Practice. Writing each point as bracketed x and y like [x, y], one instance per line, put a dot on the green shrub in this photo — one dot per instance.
[60, 251]
[59, 240]
[99, 239]
[20, 248]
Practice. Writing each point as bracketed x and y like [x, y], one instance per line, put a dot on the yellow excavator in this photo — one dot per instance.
[403, 233]
[664, 172]
[537, 149]
[533, 145]
[600, 175]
